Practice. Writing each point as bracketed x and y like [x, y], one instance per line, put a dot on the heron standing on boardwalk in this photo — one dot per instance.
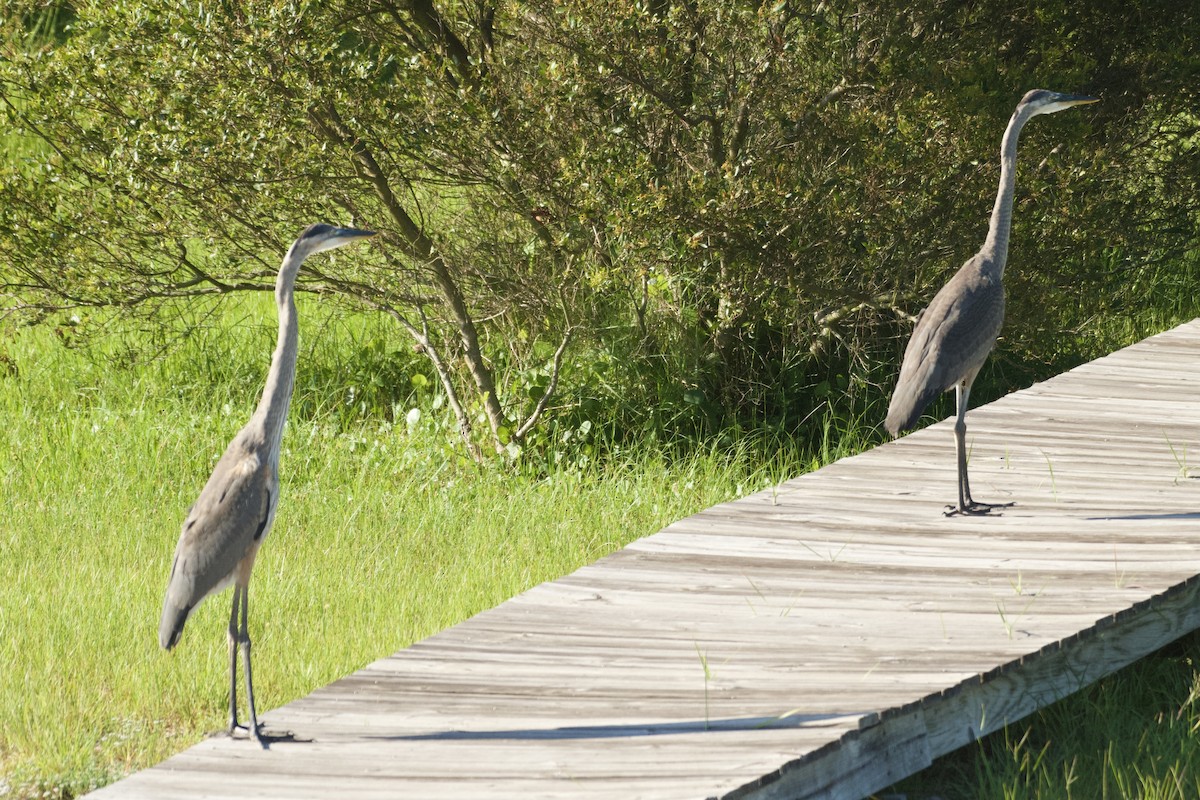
[958, 329]
[227, 524]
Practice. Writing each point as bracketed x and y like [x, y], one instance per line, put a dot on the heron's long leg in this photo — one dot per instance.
[244, 637]
[962, 392]
[233, 643]
[966, 504]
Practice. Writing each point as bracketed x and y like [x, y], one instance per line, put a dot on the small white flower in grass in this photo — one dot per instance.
[412, 417]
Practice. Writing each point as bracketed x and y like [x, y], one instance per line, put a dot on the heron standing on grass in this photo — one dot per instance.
[227, 524]
[958, 329]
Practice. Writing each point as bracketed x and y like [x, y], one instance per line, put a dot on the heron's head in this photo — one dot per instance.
[316, 238]
[1043, 101]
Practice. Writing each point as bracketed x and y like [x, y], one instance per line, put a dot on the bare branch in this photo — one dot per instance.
[555, 372]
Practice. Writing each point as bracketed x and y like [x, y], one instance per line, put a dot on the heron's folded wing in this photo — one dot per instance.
[230, 514]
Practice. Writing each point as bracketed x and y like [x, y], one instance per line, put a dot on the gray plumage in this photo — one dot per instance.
[229, 521]
[956, 332]
[952, 338]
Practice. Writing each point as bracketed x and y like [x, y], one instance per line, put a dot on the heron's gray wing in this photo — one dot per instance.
[230, 515]
[950, 342]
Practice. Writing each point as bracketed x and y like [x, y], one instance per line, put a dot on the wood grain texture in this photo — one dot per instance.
[851, 632]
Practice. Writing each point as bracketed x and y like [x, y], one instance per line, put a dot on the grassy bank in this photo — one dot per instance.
[383, 536]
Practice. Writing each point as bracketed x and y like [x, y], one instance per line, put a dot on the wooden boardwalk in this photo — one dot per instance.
[820, 639]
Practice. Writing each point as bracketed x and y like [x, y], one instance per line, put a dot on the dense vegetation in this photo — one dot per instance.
[637, 257]
[643, 215]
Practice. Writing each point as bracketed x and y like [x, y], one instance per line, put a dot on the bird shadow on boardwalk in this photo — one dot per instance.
[632, 731]
[1171, 515]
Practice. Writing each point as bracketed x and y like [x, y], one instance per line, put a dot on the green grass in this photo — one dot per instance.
[383, 536]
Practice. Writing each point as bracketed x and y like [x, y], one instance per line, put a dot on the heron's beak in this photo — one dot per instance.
[353, 233]
[1078, 99]
[339, 237]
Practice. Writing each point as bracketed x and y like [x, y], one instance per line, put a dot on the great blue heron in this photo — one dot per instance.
[228, 523]
[958, 329]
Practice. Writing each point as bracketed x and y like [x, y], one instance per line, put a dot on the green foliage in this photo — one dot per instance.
[729, 206]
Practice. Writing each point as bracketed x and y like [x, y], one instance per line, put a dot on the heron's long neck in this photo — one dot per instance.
[277, 394]
[996, 244]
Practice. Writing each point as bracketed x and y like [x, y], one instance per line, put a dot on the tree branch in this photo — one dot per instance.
[417, 245]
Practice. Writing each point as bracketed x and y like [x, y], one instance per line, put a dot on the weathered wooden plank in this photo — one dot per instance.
[821, 638]
[966, 712]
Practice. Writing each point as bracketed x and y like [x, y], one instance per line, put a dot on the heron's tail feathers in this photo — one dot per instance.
[899, 420]
[906, 408]
[170, 627]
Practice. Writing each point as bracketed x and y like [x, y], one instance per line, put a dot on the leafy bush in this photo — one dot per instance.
[687, 214]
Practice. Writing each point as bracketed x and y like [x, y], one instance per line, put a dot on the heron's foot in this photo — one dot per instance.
[255, 732]
[974, 508]
[261, 735]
